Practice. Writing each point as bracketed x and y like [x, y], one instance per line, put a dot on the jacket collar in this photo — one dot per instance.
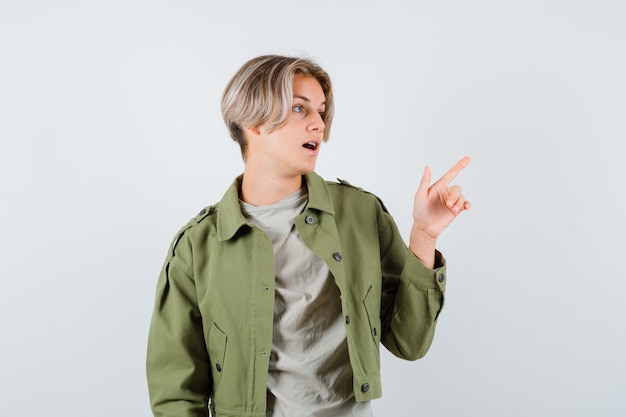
[229, 216]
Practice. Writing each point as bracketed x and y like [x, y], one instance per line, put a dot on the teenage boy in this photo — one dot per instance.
[273, 302]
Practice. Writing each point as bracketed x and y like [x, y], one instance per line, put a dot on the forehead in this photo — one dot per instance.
[308, 88]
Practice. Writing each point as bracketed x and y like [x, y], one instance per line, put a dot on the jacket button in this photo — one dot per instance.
[202, 212]
[374, 331]
[218, 367]
[365, 387]
[441, 277]
[309, 219]
[337, 256]
[347, 319]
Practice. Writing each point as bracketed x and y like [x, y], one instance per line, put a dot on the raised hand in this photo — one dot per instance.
[435, 207]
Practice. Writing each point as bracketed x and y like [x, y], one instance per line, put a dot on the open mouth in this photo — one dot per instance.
[310, 145]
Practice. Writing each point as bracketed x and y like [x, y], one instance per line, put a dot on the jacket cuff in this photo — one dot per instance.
[423, 276]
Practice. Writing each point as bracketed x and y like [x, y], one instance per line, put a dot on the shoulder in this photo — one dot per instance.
[201, 222]
[344, 190]
[344, 186]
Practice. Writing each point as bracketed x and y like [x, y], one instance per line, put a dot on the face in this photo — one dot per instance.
[291, 150]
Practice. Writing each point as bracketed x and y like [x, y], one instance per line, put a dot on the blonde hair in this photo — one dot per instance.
[261, 94]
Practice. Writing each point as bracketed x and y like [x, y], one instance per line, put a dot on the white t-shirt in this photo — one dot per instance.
[309, 369]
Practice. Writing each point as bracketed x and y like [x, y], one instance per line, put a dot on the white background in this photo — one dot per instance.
[111, 139]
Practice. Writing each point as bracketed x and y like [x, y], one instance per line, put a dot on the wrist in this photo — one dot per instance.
[423, 246]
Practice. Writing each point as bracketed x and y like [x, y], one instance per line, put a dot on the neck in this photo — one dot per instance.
[262, 190]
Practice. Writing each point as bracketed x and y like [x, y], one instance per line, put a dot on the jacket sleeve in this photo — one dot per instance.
[177, 363]
[412, 294]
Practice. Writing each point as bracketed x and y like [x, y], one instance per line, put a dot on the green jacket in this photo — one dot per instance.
[211, 331]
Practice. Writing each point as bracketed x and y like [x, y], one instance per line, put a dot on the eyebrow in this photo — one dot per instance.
[307, 99]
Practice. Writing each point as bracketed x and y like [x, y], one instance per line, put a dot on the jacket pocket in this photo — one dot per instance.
[217, 354]
[371, 302]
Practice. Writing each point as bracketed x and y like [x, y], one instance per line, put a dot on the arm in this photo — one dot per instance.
[177, 363]
[412, 297]
[412, 301]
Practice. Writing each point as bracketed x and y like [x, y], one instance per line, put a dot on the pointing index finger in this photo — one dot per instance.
[454, 171]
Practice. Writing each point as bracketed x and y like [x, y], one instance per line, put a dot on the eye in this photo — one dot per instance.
[298, 109]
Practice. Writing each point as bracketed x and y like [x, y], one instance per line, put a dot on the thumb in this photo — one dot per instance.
[424, 183]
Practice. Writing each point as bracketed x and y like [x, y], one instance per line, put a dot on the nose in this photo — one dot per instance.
[316, 123]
